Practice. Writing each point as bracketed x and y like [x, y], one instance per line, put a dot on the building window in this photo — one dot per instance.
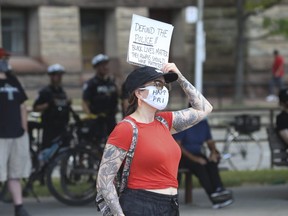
[14, 30]
[92, 35]
[163, 15]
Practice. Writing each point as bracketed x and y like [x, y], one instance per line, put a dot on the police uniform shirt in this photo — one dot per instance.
[101, 94]
[58, 110]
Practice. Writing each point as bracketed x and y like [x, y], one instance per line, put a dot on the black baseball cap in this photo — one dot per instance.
[142, 75]
[283, 95]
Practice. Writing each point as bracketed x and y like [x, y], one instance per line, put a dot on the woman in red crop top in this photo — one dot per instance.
[152, 183]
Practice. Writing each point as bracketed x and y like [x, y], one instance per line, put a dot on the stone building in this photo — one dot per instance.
[71, 32]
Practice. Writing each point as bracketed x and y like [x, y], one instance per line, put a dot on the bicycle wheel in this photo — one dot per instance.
[4, 193]
[72, 177]
[243, 152]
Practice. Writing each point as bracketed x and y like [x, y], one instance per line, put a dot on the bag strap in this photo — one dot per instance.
[130, 153]
[162, 120]
[129, 156]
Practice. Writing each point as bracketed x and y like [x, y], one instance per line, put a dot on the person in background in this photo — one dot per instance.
[277, 76]
[15, 161]
[152, 188]
[282, 117]
[100, 98]
[205, 168]
[54, 105]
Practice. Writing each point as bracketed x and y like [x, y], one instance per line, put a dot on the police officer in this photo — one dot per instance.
[100, 98]
[54, 105]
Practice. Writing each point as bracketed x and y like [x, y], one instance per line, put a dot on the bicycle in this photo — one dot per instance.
[4, 193]
[69, 167]
[76, 170]
[242, 148]
[39, 167]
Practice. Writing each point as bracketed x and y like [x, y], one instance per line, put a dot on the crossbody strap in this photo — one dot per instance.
[162, 120]
[129, 156]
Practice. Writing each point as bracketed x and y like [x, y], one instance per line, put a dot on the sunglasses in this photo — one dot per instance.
[158, 84]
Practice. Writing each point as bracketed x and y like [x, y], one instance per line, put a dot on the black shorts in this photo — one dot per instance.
[146, 203]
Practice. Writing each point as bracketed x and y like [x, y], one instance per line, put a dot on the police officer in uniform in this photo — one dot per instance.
[54, 105]
[100, 98]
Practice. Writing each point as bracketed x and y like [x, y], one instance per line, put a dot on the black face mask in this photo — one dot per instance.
[4, 66]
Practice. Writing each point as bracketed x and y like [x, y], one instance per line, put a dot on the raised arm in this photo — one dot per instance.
[111, 161]
[200, 106]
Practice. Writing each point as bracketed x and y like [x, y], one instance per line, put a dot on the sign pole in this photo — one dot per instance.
[200, 47]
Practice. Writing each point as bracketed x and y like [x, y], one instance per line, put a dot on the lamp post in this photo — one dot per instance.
[199, 47]
[195, 15]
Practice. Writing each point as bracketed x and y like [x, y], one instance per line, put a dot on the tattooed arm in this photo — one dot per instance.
[199, 109]
[111, 161]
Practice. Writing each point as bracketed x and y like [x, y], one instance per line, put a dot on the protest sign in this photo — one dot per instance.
[149, 42]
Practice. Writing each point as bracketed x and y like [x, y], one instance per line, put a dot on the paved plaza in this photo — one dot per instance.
[269, 200]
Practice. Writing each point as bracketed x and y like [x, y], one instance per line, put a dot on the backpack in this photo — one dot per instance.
[122, 175]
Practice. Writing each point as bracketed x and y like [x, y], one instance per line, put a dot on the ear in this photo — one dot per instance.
[138, 93]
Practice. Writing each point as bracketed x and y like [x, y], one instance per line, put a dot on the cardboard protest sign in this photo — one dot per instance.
[149, 42]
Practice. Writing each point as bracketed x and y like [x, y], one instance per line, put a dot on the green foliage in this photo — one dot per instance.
[276, 27]
[252, 5]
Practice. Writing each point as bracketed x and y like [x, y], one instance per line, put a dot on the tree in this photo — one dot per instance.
[245, 9]
[276, 26]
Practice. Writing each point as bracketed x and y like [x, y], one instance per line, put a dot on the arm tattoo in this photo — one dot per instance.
[200, 107]
[111, 161]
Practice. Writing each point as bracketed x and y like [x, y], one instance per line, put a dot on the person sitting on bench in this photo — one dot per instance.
[205, 169]
[282, 117]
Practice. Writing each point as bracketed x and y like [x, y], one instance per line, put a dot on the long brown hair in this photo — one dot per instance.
[133, 104]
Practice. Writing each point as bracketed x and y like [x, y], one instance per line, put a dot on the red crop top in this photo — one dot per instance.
[157, 155]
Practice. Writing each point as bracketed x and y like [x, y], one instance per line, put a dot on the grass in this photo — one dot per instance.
[241, 178]
[42, 190]
[229, 178]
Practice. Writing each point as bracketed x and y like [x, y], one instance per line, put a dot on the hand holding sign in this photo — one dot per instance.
[149, 42]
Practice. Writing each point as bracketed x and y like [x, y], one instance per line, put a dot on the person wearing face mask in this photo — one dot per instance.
[54, 104]
[152, 183]
[15, 162]
[100, 99]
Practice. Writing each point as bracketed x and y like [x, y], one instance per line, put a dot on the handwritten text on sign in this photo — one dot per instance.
[149, 42]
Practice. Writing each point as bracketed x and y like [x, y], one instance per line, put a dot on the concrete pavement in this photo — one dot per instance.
[249, 201]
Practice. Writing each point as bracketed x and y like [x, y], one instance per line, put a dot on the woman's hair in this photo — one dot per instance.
[133, 104]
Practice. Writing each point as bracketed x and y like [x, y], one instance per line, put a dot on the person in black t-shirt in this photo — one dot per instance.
[54, 105]
[282, 118]
[100, 98]
[15, 162]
